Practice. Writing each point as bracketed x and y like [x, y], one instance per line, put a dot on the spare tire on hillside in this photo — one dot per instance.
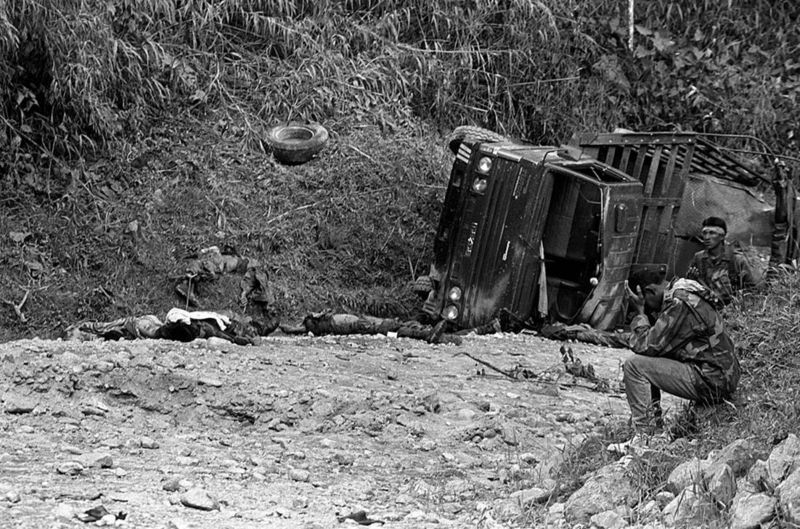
[296, 143]
[459, 134]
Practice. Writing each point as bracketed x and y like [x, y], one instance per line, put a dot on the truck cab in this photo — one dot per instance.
[535, 230]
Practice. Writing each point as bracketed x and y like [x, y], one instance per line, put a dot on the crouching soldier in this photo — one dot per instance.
[686, 352]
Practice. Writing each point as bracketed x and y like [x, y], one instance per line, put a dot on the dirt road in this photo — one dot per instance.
[297, 432]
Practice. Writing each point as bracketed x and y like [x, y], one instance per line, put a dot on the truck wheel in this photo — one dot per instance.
[463, 132]
[295, 144]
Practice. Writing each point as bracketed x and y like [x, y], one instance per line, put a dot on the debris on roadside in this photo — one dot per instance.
[179, 325]
[329, 323]
[100, 516]
[582, 332]
[211, 263]
[571, 365]
[576, 368]
[360, 517]
[255, 295]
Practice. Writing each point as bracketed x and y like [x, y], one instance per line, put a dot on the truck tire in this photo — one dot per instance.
[295, 143]
[459, 134]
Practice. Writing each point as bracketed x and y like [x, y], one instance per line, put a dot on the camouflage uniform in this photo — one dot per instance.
[725, 274]
[686, 353]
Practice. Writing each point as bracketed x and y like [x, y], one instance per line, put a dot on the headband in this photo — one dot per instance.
[714, 229]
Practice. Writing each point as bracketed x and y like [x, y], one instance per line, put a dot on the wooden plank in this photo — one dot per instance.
[637, 168]
[666, 237]
[647, 235]
[669, 171]
[626, 154]
[655, 161]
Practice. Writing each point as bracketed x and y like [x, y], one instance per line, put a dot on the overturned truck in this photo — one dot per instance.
[553, 232]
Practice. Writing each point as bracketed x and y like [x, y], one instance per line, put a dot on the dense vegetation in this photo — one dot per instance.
[132, 136]
[81, 76]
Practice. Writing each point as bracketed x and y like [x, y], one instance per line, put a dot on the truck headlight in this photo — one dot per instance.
[450, 312]
[479, 185]
[454, 294]
[484, 165]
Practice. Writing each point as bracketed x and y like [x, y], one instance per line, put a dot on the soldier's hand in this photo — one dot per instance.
[635, 298]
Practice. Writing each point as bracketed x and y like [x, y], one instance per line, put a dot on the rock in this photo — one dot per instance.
[689, 509]
[298, 474]
[96, 459]
[113, 442]
[403, 499]
[788, 494]
[171, 485]
[686, 474]
[509, 435]
[649, 511]
[106, 521]
[538, 494]
[548, 465]
[466, 414]
[460, 488]
[427, 445]
[507, 509]
[18, 404]
[199, 499]
[783, 459]
[722, 485]
[680, 508]
[12, 496]
[327, 443]
[69, 358]
[64, 512]
[757, 478]
[177, 523]
[607, 488]
[738, 455]
[147, 442]
[223, 345]
[422, 489]
[74, 450]
[343, 459]
[94, 407]
[209, 381]
[608, 520]
[70, 468]
[751, 510]
[664, 497]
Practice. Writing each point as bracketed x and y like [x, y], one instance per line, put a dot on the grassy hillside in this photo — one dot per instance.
[133, 132]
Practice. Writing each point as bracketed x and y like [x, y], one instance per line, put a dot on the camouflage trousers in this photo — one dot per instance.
[645, 377]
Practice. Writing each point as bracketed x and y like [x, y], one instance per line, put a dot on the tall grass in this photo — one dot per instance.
[77, 76]
[765, 326]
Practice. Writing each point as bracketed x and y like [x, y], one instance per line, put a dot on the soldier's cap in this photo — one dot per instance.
[715, 222]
